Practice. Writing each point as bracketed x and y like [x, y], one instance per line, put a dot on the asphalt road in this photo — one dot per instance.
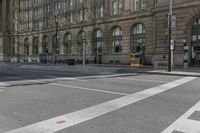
[38, 101]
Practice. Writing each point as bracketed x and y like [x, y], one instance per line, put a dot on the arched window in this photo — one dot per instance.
[56, 45]
[138, 37]
[81, 40]
[117, 40]
[98, 41]
[26, 46]
[68, 43]
[45, 45]
[35, 46]
[196, 42]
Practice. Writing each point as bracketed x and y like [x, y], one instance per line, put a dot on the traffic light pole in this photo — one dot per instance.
[170, 36]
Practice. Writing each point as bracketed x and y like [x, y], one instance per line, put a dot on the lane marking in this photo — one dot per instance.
[147, 80]
[109, 76]
[14, 78]
[82, 79]
[49, 76]
[184, 124]
[96, 90]
[3, 84]
[74, 118]
[76, 79]
[1, 90]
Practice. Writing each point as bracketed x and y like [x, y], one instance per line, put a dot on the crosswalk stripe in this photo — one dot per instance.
[184, 124]
[3, 84]
[62, 122]
[89, 89]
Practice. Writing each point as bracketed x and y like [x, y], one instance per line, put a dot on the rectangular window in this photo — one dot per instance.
[99, 11]
[117, 7]
[57, 7]
[139, 5]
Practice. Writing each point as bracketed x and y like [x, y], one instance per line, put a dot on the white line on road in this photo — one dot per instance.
[83, 88]
[0, 89]
[108, 76]
[62, 122]
[3, 84]
[147, 80]
[14, 77]
[183, 124]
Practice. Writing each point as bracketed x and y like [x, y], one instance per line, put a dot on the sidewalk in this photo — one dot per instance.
[108, 69]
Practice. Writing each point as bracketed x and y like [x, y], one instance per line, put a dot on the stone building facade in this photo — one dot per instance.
[110, 29]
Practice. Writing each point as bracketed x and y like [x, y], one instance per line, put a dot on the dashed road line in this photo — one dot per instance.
[184, 124]
[62, 122]
[89, 89]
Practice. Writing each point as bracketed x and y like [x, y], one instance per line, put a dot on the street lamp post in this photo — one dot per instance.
[56, 22]
[169, 38]
[84, 52]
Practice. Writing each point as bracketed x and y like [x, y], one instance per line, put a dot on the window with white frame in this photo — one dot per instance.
[117, 7]
[57, 7]
[139, 5]
[99, 11]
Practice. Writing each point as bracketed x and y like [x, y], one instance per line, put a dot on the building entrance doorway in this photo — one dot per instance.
[139, 40]
[195, 44]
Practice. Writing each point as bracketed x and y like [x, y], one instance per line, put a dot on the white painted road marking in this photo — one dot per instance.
[83, 88]
[183, 124]
[146, 80]
[82, 79]
[3, 84]
[15, 77]
[74, 118]
[0, 89]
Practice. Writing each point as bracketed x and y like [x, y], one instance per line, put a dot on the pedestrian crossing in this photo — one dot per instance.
[187, 123]
[60, 123]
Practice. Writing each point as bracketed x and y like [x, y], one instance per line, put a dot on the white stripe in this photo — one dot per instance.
[77, 79]
[82, 79]
[134, 79]
[109, 76]
[14, 78]
[185, 125]
[0, 89]
[71, 119]
[3, 84]
[83, 88]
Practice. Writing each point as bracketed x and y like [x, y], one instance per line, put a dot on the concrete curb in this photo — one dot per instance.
[172, 74]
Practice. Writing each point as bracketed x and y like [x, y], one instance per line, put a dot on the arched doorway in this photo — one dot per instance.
[45, 48]
[68, 43]
[35, 46]
[195, 44]
[26, 46]
[81, 40]
[97, 45]
[138, 41]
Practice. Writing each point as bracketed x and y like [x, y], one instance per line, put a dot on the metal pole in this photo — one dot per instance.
[170, 32]
[56, 36]
[84, 47]
[97, 55]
